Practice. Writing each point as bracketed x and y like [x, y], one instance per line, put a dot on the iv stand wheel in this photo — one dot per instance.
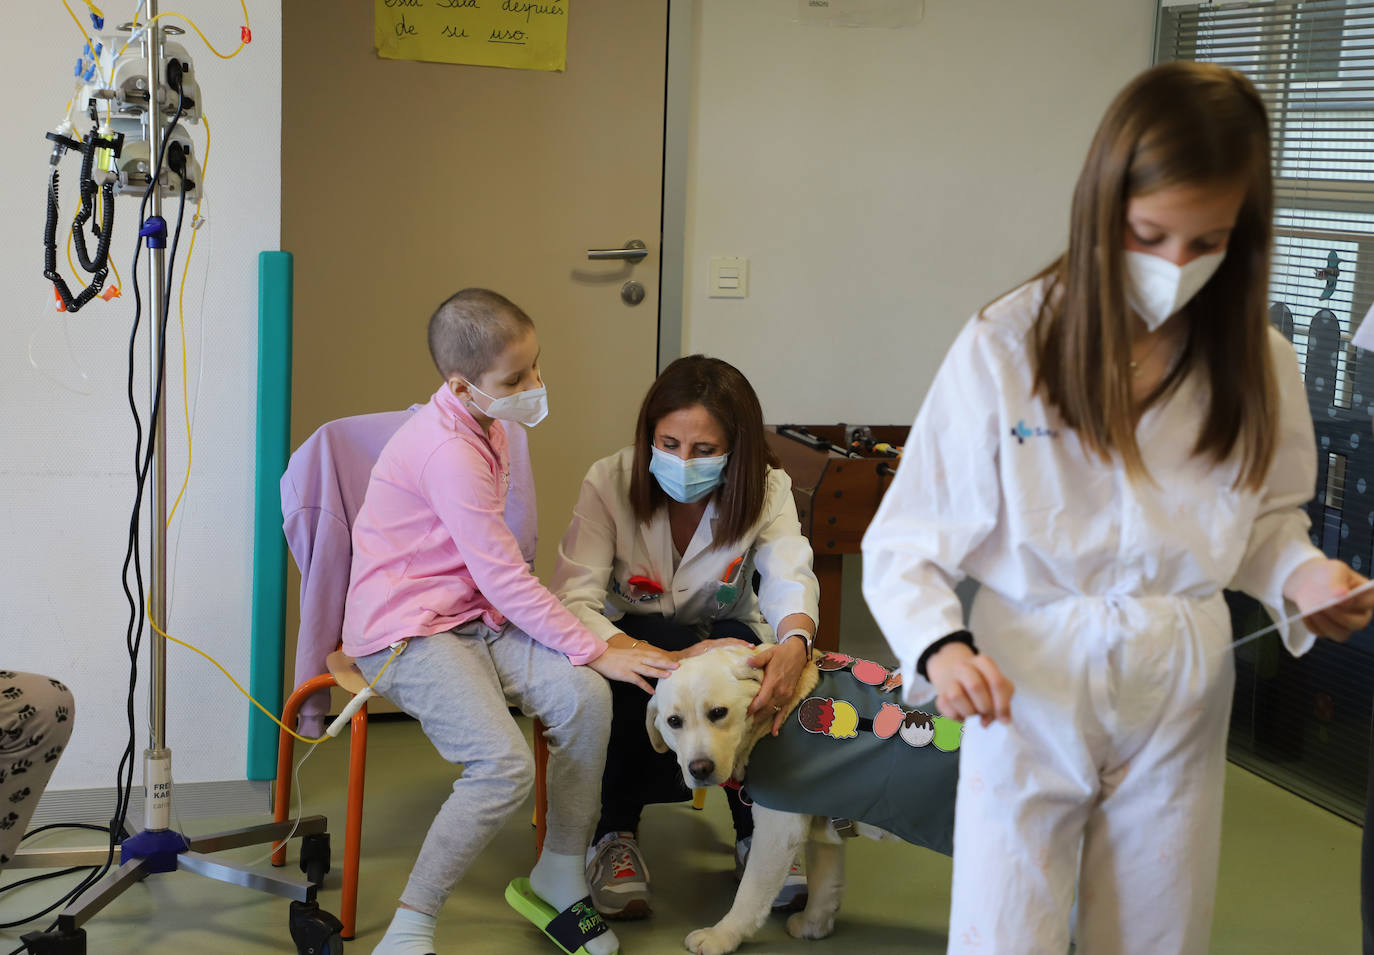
[315, 861]
[62, 941]
[315, 931]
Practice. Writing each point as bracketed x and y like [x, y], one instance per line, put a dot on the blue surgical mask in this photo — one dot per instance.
[687, 481]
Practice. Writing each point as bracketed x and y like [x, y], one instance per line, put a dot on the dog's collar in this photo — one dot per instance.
[737, 786]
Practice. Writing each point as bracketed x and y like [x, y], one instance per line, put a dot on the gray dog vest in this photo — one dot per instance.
[850, 750]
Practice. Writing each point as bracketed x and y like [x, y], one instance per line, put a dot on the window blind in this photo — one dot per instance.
[1306, 723]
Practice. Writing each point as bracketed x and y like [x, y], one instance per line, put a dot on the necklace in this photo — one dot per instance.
[1136, 370]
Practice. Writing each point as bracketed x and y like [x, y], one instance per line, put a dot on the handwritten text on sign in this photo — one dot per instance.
[522, 34]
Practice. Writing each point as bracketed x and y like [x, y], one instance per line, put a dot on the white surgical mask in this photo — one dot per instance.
[1157, 288]
[525, 407]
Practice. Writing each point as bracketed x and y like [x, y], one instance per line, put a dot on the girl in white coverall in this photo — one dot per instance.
[1104, 449]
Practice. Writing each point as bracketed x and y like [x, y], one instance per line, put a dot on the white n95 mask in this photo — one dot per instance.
[1157, 288]
[524, 407]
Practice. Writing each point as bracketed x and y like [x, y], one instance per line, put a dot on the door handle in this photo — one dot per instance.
[634, 251]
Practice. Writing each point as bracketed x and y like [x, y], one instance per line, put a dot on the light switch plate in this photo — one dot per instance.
[729, 277]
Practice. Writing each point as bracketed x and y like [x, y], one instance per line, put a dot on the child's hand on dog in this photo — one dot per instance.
[712, 644]
[969, 684]
[633, 664]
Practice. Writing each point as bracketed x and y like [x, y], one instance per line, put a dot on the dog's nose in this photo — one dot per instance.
[701, 768]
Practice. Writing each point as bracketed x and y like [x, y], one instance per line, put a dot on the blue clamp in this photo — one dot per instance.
[155, 230]
[77, 71]
[98, 22]
[159, 849]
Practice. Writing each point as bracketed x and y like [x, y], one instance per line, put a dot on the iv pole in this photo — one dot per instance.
[158, 848]
[157, 759]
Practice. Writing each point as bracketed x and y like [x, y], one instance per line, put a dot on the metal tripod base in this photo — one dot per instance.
[193, 855]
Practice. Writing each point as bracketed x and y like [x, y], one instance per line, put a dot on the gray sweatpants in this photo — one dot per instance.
[458, 685]
[35, 724]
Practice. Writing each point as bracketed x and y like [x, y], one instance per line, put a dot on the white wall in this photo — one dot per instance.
[884, 184]
[66, 482]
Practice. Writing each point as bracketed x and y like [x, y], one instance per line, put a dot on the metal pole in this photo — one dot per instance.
[157, 760]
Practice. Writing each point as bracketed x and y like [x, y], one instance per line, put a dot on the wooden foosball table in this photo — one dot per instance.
[839, 475]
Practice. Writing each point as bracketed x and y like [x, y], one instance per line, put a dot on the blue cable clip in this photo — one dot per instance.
[77, 71]
[98, 22]
[90, 72]
[99, 48]
[155, 230]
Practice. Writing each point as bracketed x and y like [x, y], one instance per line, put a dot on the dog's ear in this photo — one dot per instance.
[651, 726]
[740, 668]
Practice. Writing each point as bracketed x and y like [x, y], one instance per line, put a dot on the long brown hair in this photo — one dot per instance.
[1179, 124]
[726, 394]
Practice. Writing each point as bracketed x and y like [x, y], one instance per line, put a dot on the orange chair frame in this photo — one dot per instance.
[357, 770]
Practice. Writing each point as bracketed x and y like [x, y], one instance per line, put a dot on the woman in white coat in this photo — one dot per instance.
[663, 548]
[1105, 449]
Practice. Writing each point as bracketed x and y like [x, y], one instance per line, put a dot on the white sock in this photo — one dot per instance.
[561, 880]
[410, 933]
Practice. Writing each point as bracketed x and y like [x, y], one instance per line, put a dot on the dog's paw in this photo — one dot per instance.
[712, 941]
[804, 925]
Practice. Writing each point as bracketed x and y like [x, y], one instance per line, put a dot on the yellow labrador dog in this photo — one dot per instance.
[699, 713]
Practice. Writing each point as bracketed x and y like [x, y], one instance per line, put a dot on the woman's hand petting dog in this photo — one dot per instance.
[782, 666]
[632, 665]
[969, 684]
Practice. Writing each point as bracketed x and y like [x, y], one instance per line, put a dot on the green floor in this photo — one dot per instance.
[1289, 871]
[1289, 878]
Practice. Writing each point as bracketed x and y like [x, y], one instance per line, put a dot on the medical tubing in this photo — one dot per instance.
[196, 222]
[1294, 618]
[102, 250]
[352, 707]
[64, 292]
[87, 208]
[142, 458]
[50, 226]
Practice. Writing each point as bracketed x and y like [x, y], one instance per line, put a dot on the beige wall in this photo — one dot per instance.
[405, 181]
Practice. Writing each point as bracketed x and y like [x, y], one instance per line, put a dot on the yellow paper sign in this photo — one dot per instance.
[521, 34]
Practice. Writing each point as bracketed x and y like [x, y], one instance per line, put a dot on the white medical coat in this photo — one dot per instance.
[1101, 602]
[994, 487]
[605, 545]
